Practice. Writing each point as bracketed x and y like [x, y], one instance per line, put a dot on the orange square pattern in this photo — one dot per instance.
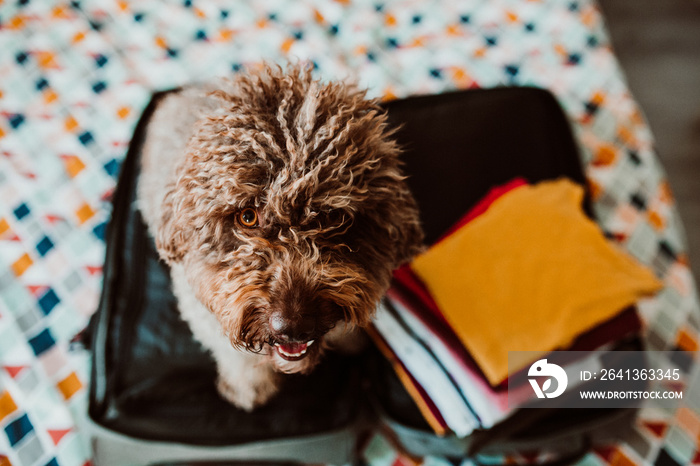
[123, 112]
[4, 226]
[85, 213]
[656, 220]
[7, 406]
[619, 458]
[46, 59]
[686, 341]
[73, 165]
[605, 155]
[22, 264]
[689, 421]
[70, 386]
[50, 96]
[70, 123]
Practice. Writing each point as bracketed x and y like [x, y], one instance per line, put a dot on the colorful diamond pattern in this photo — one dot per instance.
[74, 77]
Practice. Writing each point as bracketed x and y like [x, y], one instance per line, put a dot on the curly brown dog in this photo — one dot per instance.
[279, 203]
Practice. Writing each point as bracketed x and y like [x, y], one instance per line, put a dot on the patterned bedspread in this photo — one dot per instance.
[75, 75]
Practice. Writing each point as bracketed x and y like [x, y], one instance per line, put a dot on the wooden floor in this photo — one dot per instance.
[658, 45]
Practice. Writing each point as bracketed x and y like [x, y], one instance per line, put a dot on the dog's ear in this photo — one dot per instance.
[407, 230]
[170, 233]
[412, 243]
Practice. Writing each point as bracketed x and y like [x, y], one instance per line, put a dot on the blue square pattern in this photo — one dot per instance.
[99, 87]
[86, 138]
[100, 230]
[42, 84]
[18, 429]
[44, 246]
[100, 60]
[22, 57]
[16, 120]
[21, 211]
[42, 342]
[48, 301]
[112, 167]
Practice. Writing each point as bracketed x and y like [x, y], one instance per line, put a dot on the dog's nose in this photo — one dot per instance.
[287, 329]
[278, 323]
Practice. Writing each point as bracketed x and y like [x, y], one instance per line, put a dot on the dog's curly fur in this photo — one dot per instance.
[317, 165]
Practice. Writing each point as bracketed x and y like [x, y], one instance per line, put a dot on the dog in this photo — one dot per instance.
[279, 203]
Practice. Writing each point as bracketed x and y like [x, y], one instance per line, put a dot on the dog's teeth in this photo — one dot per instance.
[293, 350]
[292, 355]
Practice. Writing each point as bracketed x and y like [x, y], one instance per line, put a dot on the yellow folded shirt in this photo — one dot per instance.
[530, 274]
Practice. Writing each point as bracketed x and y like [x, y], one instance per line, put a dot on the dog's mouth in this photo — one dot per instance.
[294, 351]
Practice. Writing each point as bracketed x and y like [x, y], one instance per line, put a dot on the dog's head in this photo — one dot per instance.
[289, 212]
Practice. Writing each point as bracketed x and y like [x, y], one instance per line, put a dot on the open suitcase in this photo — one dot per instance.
[457, 147]
[152, 393]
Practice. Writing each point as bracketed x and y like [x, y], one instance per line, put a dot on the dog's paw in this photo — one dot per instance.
[245, 395]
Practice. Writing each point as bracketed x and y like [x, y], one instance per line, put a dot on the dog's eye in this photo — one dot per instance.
[248, 217]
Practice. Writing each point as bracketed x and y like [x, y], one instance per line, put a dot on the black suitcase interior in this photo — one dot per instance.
[151, 380]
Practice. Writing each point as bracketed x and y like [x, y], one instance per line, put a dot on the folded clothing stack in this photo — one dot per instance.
[525, 270]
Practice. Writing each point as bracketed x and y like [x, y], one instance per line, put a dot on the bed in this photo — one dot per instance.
[75, 77]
